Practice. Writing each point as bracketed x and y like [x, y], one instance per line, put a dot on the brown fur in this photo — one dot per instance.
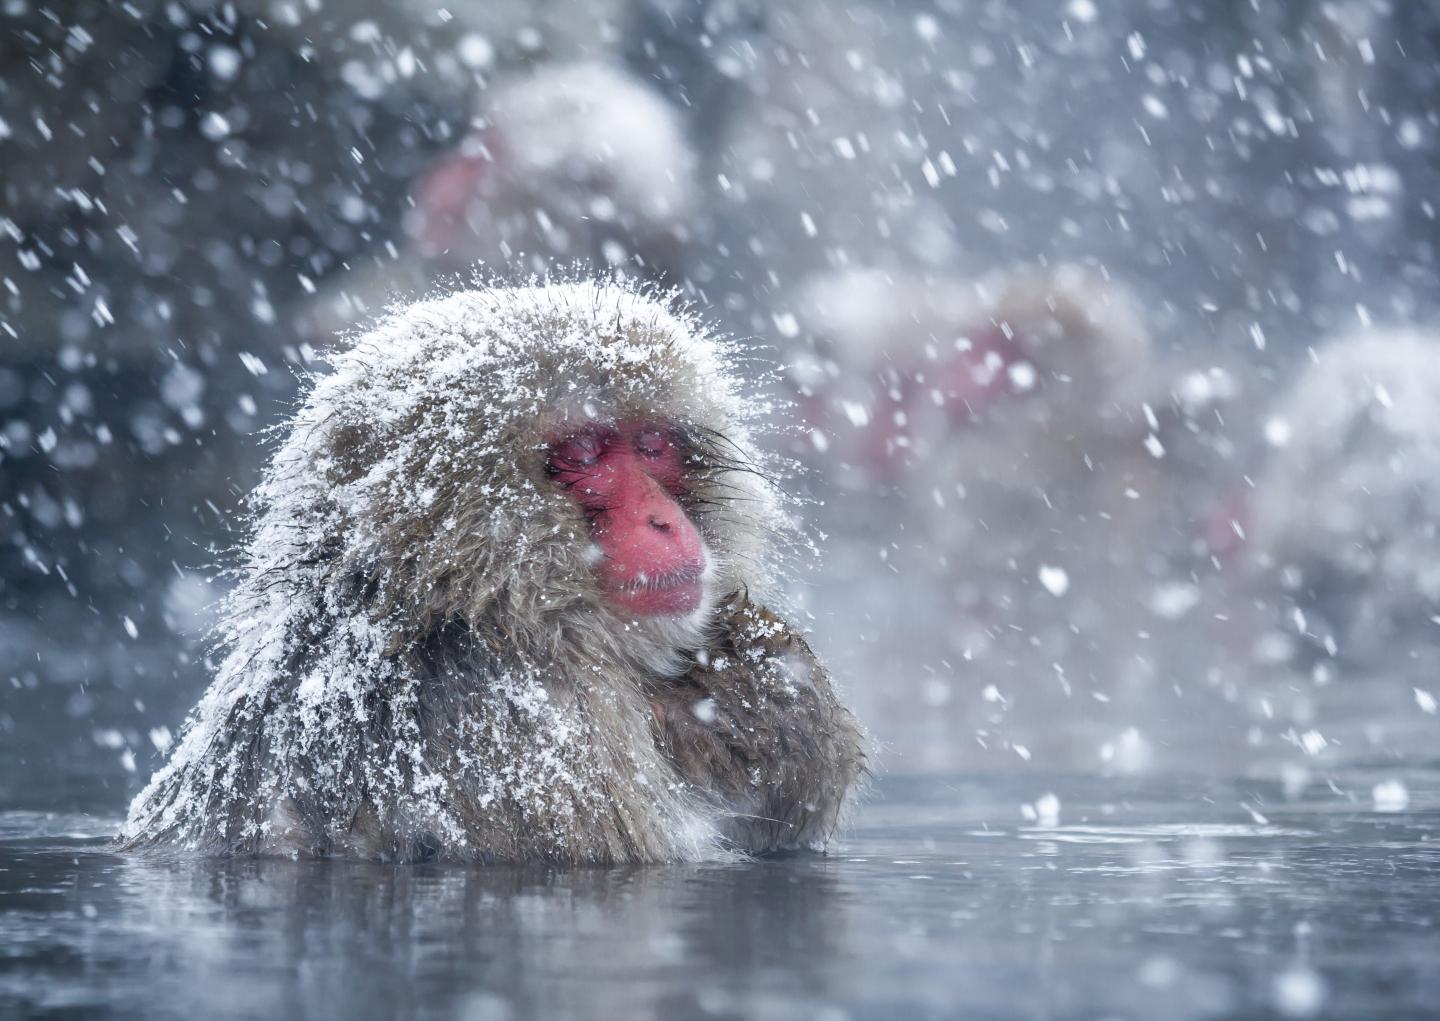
[757, 722]
[419, 660]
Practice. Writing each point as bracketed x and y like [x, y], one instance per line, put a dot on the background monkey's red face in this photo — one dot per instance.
[627, 478]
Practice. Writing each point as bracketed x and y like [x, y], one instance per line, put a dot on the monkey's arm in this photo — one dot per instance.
[756, 722]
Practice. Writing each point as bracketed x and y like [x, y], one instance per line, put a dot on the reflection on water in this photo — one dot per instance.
[1121, 899]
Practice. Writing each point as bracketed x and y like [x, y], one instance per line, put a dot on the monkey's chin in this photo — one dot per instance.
[677, 600]
[667, 631]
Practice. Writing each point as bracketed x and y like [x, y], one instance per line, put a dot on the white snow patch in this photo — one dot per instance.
[1312, 742]
[1055, 579]
[1172, 600]
[214, 126]
[1299, 991]
[1390, 796]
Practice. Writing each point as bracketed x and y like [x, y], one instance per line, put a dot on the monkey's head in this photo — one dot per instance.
[909, 369]
[1343, 529]
[576, 161]
[534, 463]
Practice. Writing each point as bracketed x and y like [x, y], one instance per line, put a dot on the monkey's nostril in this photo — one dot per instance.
[659, 524]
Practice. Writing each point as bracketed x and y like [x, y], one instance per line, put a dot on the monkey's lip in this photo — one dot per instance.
[673, 594]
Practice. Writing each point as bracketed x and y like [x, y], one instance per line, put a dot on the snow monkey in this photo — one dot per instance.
[1023, 441]
[503, 603]
[581, 161]
[574, 162]
[1010, 409]
[1344, 518]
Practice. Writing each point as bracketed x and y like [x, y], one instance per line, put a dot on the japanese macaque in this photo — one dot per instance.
[575, 163]
[1011, 447]
[503, 603]
[1343, 523]
[1009, 411]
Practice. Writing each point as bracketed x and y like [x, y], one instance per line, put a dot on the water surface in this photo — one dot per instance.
[952, 897]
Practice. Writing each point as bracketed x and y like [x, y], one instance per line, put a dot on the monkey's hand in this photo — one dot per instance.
[756, 722]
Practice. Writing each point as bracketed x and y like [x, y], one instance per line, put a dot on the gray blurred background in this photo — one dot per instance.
[1052, 288]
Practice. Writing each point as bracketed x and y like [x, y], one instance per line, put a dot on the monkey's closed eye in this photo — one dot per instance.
[576, 451]
[653, 442]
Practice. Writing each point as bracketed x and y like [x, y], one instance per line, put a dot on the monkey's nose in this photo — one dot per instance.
[660, 524]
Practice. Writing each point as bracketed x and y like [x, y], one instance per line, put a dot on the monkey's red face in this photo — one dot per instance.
[992, 369]
[627, 479]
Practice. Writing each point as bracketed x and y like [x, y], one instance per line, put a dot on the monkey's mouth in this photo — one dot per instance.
[670, 593]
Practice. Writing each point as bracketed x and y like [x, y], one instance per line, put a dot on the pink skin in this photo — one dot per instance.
[968, 385]
[1218, 527]
[626, 479]
[444, 192]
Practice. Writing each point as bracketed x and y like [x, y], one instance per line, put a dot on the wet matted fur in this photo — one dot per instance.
[417, 660]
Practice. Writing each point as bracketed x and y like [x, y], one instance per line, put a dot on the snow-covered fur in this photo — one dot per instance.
[1345, 516]
[418, 660]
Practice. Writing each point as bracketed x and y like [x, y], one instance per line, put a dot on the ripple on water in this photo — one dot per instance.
[1159, 832]
[23, 826]
[1157, 897]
